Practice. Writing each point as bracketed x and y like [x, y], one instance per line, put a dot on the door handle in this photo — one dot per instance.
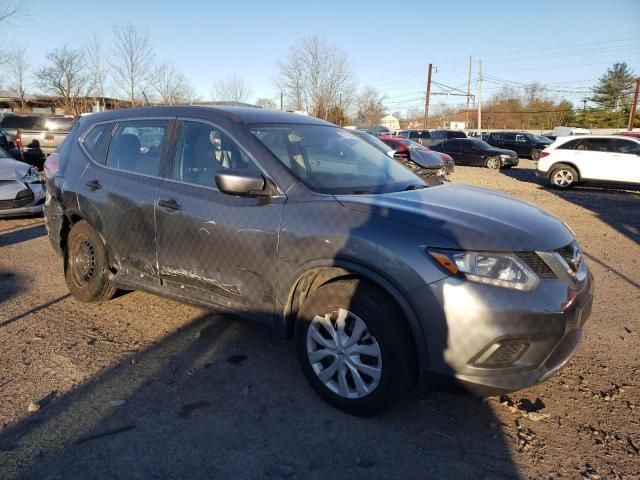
[169, 204]
[93, 185]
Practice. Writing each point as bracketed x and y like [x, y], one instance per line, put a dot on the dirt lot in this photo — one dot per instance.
[143, 387]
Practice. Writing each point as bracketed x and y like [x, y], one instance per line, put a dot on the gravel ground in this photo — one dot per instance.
[143, 387]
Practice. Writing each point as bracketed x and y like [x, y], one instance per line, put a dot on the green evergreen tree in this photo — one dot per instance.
[614, 88]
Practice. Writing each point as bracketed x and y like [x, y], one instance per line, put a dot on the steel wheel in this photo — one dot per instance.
[83, 262]
[345, 357]
[493, 163]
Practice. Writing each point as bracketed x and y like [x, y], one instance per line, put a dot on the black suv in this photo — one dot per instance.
[523, 143]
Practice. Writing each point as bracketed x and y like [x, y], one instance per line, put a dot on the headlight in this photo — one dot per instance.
[32, 176]
[504, 155]
[502, 270]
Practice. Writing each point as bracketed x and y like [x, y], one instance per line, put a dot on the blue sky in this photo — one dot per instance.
[566, 44]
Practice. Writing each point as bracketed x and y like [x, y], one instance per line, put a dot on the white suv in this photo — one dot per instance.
[608, 158]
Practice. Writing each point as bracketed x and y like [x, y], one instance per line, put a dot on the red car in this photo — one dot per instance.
[629, 134]
[417, 153]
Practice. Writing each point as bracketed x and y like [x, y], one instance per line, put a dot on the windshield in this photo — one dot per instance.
[334, 161]
[538, 138]
[412, 144]
[375, 141]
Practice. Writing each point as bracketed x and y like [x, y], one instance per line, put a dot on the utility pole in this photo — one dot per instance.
[281, 101]
[426, 98]
[340, 109]
[632, 115]
[468, 92]
[480, 99]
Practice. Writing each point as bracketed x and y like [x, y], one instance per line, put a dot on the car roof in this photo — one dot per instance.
[241, 115]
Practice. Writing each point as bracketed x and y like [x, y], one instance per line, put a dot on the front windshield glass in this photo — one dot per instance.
[411, 144]
[334, 161]
[376, 142]
[537, 138]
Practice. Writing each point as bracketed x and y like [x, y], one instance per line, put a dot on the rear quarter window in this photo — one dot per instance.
[96, 142]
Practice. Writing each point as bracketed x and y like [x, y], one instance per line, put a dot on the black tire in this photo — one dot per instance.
[494, 163]
[86, 266]
[388, 330]
[535, 154]
[563, 176]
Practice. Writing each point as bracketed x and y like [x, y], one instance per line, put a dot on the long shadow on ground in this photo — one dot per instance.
[221, 399]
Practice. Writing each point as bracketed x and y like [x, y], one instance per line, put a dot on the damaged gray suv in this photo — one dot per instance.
[383, 281]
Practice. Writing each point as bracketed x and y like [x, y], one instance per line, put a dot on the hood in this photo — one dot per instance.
[11, 169]
[426, 158]
[500, 151]
[474, 218]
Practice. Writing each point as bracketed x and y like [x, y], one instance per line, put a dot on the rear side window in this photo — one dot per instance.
[626, 146]
[495, 137]
[570, 145]
[594, 144]
[453, 146]
[137, 146]
[508, 137]
[24, 123]
[96, 142]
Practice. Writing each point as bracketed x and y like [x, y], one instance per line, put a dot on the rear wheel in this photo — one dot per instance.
[493, 163]
[354, 347]
[563, 176]
[86, 268]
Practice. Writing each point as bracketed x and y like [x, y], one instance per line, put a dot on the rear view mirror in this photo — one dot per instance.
[240, 182]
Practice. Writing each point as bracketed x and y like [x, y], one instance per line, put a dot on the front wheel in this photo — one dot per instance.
[535, 154]
[86, 268]
[354, 347]
[493, 163]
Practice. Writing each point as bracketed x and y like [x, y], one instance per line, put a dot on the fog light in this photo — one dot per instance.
[505, 353]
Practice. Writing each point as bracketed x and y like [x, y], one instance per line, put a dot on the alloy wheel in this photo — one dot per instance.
[493, 163]
[563, 178]
[343, 354]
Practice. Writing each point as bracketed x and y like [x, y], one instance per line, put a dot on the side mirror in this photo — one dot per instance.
[240, 182]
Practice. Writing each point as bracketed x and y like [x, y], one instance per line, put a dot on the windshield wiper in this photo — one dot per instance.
[363, 192]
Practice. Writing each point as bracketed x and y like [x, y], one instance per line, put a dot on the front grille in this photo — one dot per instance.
[535, 263]
[24, 198]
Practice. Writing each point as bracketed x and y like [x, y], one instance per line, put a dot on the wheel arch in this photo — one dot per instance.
[315, 276]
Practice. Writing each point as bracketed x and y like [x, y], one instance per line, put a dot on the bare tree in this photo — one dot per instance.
[132, 63]
[266, 103]
[8, 9]
[65, 77]
[369, 107]
[232, 89]
[315, 77]
[94, 55]
[171, 85]
[19, 64]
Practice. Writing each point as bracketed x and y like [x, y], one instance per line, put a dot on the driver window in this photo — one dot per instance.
[521, 139]
[203, 151]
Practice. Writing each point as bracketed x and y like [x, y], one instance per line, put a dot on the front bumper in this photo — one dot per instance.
[510, 161]
[34, 207]
[492, 340]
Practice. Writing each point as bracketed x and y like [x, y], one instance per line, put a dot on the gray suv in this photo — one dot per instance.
[292, 222]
